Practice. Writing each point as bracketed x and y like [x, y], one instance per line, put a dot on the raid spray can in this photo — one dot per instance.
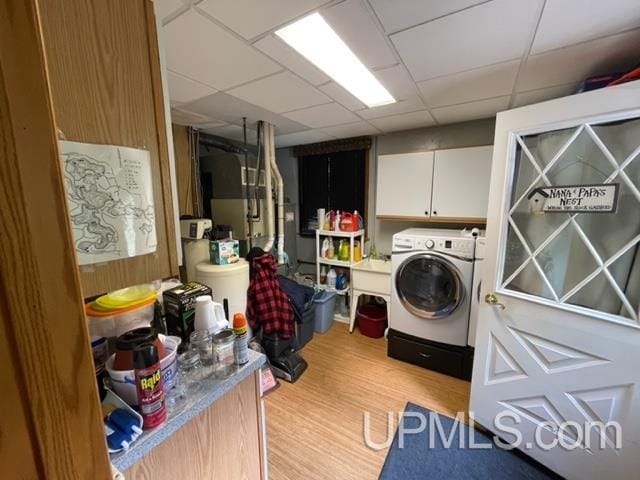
[241, 346]
[148, 375]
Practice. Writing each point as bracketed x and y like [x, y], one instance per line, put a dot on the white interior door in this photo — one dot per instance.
[566, 345]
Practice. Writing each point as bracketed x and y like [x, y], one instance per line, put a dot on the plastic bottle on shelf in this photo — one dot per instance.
[325, 248]
[343, 251]
[336, 222]
[357, 251]
[331, 278]
[323, 275]
[331, 251]
[358, 221]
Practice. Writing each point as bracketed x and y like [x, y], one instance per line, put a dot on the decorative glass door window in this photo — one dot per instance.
[589, 260]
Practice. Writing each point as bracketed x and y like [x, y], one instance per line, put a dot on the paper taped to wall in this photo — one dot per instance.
[110, 197]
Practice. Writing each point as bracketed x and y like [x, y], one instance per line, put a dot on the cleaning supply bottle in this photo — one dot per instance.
[331, 278]
[325, 248]
[148, 379]
[343, 251]
[331, 251]
[323, 275]
[241, 346]
[357, 251]
[336, 222]
[358, 221]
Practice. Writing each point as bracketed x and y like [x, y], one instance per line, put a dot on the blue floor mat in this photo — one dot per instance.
[416, 461]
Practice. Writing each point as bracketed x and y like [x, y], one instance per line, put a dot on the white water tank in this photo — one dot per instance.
[228, 282]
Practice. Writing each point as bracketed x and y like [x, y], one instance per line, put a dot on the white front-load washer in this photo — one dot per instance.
[431, 284]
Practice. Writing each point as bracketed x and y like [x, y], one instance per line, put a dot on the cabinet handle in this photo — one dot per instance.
[424, 355]
[435, 213]
[426, 212]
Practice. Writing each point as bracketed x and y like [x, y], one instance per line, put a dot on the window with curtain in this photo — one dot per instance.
[333, 181]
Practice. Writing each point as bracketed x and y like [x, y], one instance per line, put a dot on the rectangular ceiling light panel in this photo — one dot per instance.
[313, 38]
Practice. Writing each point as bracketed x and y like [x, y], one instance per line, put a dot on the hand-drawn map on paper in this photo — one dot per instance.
[110, 196]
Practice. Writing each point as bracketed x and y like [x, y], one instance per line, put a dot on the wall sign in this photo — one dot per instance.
[575, 199]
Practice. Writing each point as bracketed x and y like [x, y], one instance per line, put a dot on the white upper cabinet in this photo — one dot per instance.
[461, 178]
[404, 185]
[435, 186]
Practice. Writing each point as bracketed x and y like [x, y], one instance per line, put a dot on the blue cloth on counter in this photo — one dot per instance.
[418, 460]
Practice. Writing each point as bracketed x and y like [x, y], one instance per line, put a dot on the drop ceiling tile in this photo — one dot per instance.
[356, 26]
[490, 33]
[250, 18]
[486, 82]
[289, 58]
[323, 115]
[578, 62]
[184, 116]
[183, 89]
[414, 12]
[302, 138]
[565, 22]
[397, 81]
[164, 8]
[404, 121]
[544, 94]
[471, 111]
[351, 130]
[279, 93]
[230, 109]
[409, 104]
[201, 50]
[234, 132]
[341, 96]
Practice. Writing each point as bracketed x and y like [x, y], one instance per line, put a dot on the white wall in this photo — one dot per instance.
[478, 132]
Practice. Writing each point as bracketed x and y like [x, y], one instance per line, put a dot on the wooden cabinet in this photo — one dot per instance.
[445, 186]
[404, 185]
[105, 80]
[461, 179]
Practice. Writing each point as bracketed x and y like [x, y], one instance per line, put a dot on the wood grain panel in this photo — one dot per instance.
[51, 390]
[220, 443]
[183, 169]
[106, 89]
[315, 426]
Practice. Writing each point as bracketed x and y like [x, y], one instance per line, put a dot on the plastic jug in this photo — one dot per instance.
[331, 278]
[346, 222]
[357, 251]
[209, 315]
[343, 251]
[358, 221]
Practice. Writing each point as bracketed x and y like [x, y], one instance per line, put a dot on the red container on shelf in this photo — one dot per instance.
[372, 320]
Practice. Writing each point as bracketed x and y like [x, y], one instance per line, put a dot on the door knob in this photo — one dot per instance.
[492, 299]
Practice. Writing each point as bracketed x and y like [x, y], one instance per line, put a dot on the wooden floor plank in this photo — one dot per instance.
[315, 426]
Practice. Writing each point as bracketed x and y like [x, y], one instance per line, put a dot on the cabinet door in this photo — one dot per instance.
[461, 182]
[404, 185]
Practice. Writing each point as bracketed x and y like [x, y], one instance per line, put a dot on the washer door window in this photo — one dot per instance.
[429, 286]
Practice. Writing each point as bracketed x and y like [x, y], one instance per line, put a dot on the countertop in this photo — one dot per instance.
[212, 389]
[374, 265]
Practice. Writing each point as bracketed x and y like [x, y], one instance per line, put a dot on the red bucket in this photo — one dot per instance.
[372, 320]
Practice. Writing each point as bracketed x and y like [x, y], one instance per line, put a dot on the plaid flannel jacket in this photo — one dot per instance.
[267, 304]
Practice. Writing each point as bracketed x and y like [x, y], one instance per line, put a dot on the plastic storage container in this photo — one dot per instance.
[116, 322]
[304, 329]
[325, 305]
[372, 320]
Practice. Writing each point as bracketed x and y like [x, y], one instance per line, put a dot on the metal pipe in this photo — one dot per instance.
[268, 139]
[246, 186]
[280, 197]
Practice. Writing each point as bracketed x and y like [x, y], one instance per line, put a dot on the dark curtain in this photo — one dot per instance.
[334, 181]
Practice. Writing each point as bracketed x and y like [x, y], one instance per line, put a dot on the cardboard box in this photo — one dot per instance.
[180, 309]
[224, 252]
